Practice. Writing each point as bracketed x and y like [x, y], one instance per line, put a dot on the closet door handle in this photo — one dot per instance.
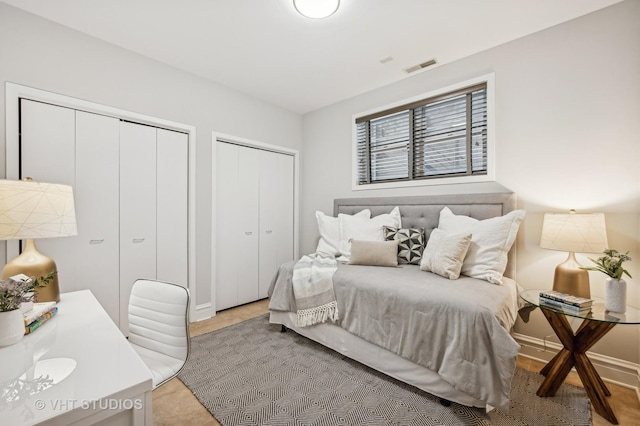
[96, 241]
[268, 231]
[248, 233]
[138, 240]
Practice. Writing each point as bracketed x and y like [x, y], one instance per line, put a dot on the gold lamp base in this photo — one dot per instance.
[32, 263]
[570, 279]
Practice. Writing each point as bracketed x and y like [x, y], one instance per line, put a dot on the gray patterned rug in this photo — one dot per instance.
[251, 374]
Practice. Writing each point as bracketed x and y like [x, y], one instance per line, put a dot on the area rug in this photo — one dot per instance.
[251, 374]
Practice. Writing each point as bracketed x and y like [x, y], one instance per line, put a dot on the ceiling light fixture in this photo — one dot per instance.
[316, 9]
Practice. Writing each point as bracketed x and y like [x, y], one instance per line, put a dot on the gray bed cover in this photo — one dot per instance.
[457, 328]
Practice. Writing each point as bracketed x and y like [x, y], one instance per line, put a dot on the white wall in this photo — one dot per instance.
[38, 53]
[567, 136]
[568, 102]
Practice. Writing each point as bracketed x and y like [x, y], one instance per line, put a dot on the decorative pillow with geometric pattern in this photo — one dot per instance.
[410, 243]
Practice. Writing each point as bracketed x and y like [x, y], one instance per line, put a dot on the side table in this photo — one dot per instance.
[596, 323]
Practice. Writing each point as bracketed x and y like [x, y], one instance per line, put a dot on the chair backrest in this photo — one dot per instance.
[159, 318]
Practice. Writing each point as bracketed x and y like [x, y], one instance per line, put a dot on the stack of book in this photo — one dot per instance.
[38, 315]
[566, 302]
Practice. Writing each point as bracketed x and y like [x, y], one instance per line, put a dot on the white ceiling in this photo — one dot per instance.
[265, 49]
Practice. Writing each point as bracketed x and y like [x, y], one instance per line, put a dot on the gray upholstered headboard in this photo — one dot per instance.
[424, 211]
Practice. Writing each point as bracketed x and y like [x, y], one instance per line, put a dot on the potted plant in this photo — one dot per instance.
[13, 292]
[615, 294]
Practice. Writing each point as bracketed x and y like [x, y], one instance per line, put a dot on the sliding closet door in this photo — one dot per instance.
[47, 145]
[248, 223]
[98, 209]
[137, 209]
[276, 215]
[284, 192]
[172, 189]
[254, 221]
[226, 232]
[130, 185]
[237, 204]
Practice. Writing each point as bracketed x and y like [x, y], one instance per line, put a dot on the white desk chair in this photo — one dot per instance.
[159, 327]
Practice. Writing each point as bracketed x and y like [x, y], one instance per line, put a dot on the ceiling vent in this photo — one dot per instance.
[420, 66]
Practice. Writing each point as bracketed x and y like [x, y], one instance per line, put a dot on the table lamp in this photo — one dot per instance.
[30, 210]
[582, 233]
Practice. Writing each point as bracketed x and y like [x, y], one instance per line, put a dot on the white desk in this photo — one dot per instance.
[77, 368]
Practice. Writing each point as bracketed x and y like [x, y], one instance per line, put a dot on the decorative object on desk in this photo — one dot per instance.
[30, 210]
[11, 327]
[615, 290]
[26, 306]
[37, 310]
[13, 292]
[40, 320]
[574, 233]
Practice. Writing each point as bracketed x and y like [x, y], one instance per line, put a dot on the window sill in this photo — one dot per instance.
[425, 182]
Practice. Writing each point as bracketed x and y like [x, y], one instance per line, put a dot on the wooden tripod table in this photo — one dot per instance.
[596, 323]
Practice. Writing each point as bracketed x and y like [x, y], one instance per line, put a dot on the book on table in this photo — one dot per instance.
[33, 325]
[38, 310]
[567, 299]
[38, 315]
[563, 306]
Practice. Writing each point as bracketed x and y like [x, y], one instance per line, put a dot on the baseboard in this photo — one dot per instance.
[612, 370]
[203, 312]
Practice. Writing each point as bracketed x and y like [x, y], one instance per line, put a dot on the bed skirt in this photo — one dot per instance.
[378, 358]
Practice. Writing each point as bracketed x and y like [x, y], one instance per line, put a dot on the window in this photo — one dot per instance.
[440, 136]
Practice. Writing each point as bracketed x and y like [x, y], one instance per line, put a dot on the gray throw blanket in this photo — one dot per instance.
[313, 290]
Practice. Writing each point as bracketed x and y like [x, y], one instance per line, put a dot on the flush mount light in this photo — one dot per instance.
[316, 9]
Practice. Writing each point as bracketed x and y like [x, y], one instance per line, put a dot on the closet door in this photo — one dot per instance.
[97, 209]
[237, 203]
[254, 221]
[284, 192]
[172, 190]
[47, 148]
[137, 209]
[227, 241]
[248, 224]
[276, 215]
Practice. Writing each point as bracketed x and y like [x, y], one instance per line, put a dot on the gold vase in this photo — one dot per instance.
[32, 263]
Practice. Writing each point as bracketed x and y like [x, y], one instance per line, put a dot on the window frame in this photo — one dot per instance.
[487, 79]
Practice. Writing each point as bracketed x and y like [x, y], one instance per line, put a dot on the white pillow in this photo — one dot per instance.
[490, 242]
[444, 253]
[329, 229]
[364, 229]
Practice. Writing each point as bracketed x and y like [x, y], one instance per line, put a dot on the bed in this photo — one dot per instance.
[450, 338]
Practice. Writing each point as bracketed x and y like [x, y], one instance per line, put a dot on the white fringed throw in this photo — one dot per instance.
[313, 289]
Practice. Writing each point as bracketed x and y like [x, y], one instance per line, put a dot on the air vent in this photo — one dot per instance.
[420, 66]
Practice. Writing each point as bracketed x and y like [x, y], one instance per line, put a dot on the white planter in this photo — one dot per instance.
[11, 327]
[615, 295]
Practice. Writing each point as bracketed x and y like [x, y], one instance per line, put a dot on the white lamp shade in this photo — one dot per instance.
[31, 209]
[581, 233]
[317, 9]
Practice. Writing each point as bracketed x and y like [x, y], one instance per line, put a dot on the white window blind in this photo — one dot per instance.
[443, 136]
